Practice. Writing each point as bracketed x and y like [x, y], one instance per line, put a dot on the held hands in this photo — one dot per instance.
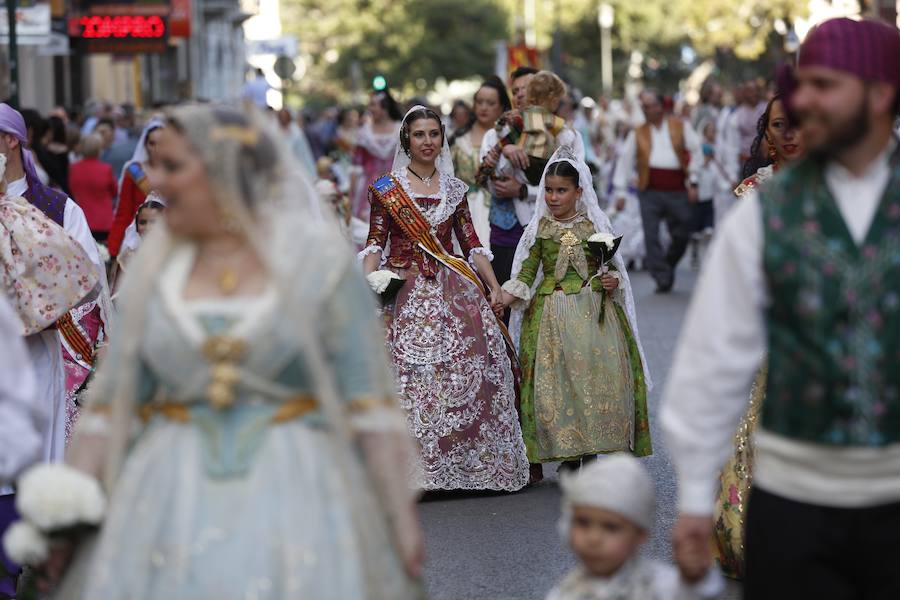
[691, 546]
[496, 299]
[620, 204]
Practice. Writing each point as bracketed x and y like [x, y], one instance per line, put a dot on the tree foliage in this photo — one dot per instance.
[414, 42]
[406, 41]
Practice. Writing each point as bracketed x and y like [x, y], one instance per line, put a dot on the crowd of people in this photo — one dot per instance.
[188, 330]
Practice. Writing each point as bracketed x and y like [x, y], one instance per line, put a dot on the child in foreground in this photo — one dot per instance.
[608, 511]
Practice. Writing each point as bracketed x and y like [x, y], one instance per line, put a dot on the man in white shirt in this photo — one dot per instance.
[667, 154]
[807, 272]
[257, 89]
[746, 118]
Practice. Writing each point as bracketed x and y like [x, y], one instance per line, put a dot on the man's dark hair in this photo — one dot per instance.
[522, 72]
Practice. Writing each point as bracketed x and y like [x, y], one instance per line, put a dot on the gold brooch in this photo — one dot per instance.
[224, 353]
[569, 241]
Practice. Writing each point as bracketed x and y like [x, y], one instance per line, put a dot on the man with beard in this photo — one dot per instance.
[808, 270]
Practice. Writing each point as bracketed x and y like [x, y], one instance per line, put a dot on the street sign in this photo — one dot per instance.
[284, 67]
[32, 24]
[283, 46]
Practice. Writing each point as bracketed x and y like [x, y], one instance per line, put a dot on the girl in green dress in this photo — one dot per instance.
[584, 376]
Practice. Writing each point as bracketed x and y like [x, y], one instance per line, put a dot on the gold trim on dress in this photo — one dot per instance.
[367, 403]
[180, 412]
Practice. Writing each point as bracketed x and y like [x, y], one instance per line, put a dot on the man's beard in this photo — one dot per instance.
[848, 134]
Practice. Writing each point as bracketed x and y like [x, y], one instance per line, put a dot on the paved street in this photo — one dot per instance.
[505, 546]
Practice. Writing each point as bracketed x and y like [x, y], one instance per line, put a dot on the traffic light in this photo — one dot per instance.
[379, 82]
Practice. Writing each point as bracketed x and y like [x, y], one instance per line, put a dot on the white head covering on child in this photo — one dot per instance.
[590, 206]
[617, 483]
[132, 238]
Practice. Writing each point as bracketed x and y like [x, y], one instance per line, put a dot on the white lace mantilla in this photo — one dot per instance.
[380, 145]
[451, 192]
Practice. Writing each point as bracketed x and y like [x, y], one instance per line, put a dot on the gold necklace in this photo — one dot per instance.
[228, 280]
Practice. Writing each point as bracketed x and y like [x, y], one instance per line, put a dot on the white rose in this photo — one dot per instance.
[104, 252]
[25, 545]
[57, 496]
[607, 238]
[379, 280]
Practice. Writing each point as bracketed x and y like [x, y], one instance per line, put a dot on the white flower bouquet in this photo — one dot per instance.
[55, 501]
[604, 246]
[608, 240]
[385, 283]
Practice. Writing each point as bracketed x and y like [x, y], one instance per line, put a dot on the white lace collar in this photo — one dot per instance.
[578, 218]
[451, 192]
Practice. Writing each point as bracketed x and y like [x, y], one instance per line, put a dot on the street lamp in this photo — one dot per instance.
[605, 18]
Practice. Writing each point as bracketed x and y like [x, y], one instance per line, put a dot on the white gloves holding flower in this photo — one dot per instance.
[379, 280]
[53, 500]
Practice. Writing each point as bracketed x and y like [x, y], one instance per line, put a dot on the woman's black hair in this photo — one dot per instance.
[389, 104]
[756, 160]
[152, 205]
[342, 114]
[422, 113]
[495, 83]
[57, 130]
[150, 131]
[564, 169]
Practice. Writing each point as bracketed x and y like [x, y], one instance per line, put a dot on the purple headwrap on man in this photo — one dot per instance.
[11, 122]
[868, 49]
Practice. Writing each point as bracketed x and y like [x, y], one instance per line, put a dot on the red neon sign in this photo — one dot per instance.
[123, 27]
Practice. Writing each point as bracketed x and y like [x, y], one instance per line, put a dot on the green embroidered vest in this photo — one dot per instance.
[834, 323]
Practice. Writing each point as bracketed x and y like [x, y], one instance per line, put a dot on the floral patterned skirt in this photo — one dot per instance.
[457, 383]
[583, 388]
[734, 488]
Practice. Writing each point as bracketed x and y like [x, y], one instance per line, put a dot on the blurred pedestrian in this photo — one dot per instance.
[94, 187]
[668, 157]
[256, 90]
[376, 143]
[136, 182]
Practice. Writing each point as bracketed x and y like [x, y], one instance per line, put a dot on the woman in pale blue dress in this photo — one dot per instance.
[271, 456]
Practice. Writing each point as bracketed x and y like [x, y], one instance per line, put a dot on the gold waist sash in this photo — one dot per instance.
[179, 412]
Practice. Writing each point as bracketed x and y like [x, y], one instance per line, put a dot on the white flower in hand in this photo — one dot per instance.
[604, 237]
[25, 545]
[379, 280]
[57, 496]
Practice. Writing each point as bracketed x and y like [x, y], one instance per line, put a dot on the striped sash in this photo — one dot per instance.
[407, 215]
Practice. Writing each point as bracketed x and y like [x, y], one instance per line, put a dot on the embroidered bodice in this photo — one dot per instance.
[446, 211]
[561, 253]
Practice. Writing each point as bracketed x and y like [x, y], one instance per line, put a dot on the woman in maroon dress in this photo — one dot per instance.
[457, 374]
